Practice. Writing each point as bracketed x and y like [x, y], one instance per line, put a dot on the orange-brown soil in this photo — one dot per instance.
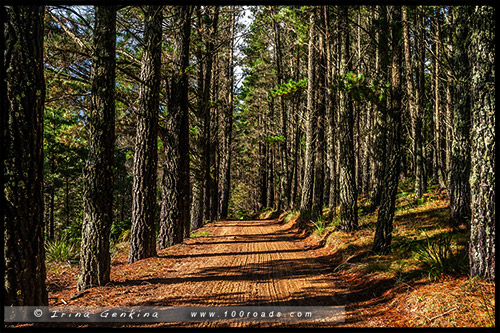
[256, 263]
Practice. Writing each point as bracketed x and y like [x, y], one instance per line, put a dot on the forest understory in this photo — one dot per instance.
[280, 260]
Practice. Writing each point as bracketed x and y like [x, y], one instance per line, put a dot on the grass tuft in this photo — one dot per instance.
[441, 256]
[61, 250]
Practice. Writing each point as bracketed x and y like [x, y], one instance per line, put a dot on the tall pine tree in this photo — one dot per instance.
[23, 96]
[95, 261]
[143, 232]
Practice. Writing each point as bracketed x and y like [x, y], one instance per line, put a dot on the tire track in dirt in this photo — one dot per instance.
[249, 263]
[240, 263]
[260, 262]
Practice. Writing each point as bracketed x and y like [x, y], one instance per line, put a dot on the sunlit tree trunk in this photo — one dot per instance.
[95, 261]
[310, 114]
[320, 93]
[482, 181]
[330, 119]
[460, 145]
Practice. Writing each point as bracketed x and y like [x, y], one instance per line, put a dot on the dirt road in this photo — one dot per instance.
[233, 263]
[249, 263]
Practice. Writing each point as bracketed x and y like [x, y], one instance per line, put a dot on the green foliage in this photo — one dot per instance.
[290, 216]
[242, 215]
[358, 87]
[336, 220]
[124, 236]
[265, 213]
[62, 250]
[441, 256]
[406, 185]
[290, 88]
[73, 233]
[129, 154]
[272, 139]
[196, 234]
[319, 226]
[119, 227]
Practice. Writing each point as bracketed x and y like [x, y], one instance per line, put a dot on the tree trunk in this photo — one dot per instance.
[228, 126]
[320, 92]
[379, 151]
[206, 157]
[310, 114]
[438, 155]
[348, 191]
[460, 146]
[383, 232]
[483, 237]
[294, 177]
[283, 170]
[330, 120]
[98, 172]
[175, 204]
[418, 120]
[22, 156]
[213, 138]
[414, 109]
[143, 231]
[449, 99]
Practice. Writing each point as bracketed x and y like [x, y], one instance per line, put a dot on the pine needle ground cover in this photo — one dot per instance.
[422, 282]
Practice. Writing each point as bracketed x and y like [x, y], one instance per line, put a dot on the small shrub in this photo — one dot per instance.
[73, 233]
[319, 226]
[375, 266]
[124, 236]
[441, 256]
[268, 213]
[119, 227]
[336, 220]
[61, 250]
[242, 215]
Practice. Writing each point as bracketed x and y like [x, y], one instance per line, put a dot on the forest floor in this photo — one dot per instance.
[273, 262]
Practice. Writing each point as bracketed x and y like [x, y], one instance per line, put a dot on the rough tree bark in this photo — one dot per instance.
[460, 145]
[143, 231]
[228, 125]
[98, 172]
[347, 177]
[380, 109]
[205, 110]
[319, 167]
[383, 232]
[310, 114]
[483, 237]
[175, 184]
[419, 111]
[23, 95]
[330, 119]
